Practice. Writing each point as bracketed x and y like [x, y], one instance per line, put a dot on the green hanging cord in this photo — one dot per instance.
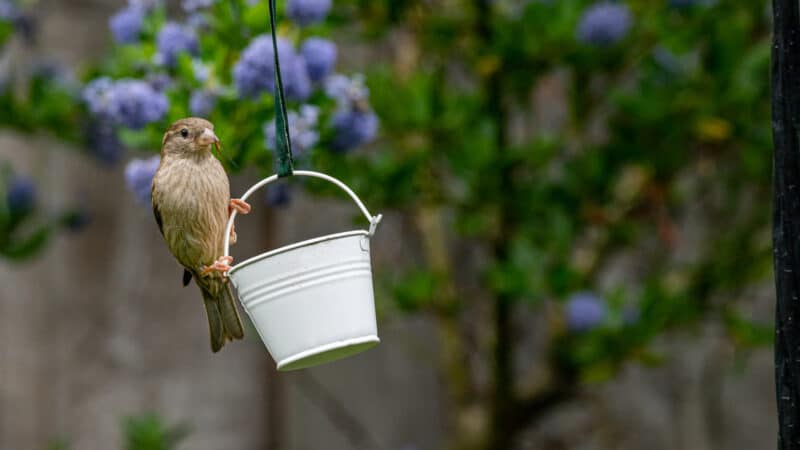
[282, 140]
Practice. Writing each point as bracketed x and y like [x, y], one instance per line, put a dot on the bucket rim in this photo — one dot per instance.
[295, 246]
[367, 339]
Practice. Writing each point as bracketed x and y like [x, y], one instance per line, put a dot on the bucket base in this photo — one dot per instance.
[327, 353]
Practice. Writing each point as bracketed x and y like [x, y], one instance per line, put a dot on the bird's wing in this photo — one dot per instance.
[156, 212]
[187, 276]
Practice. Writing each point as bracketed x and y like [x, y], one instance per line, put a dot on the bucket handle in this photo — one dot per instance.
[373, 220]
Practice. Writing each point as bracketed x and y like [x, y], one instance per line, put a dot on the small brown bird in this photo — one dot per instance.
[192, 204]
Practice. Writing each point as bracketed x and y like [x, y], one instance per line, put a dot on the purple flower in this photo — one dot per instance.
[134, 104]
[296, 81]
[320, 56]
[191, 6]
[139, 175]
[27, 26]
[348, 92]
[126, 25]
[8, 11]
[254, 73]
[302, 130]
[278, 195]
[174, 39]
[197, 21]
[159, 81]
[604, 24]
[21, 195]
[103, 142]
[307, 12]
[201, 103]
[201, 71]
[585, 311]
[353, 127]
[95, 94]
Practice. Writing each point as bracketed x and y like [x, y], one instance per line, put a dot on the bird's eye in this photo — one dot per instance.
[185, 132]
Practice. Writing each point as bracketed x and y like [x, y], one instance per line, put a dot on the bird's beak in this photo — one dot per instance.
[207, 138]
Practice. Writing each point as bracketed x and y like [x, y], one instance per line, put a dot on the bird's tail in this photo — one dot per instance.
[224, 323]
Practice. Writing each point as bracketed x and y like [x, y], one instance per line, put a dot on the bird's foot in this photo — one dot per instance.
[233, 234]
[222, 265]
[241, 206]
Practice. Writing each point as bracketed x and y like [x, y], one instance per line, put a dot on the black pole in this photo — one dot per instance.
[786, 218]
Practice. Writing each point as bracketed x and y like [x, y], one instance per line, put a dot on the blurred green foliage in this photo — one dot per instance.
[142, 432]
[149, 432]
[23, 230]
[666, 127]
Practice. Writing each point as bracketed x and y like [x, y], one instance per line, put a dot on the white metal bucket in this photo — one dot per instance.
[311, 302]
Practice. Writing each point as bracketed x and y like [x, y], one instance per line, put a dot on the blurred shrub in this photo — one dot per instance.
[142, 432]
[24, 230]
[149, 432]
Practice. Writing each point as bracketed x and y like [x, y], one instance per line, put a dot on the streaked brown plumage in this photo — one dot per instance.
[191, 203]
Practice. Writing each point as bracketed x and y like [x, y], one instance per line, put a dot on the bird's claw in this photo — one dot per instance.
[241, 206]
[222, 265]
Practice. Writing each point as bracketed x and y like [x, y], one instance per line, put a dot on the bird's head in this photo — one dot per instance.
[192, 136]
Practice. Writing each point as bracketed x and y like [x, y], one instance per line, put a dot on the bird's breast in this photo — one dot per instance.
[192, 197]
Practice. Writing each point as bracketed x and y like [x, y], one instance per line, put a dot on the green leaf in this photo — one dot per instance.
[149, 432]
[416, 290]
[20, 249]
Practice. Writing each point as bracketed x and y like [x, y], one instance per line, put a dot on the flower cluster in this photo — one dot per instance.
[174, 39]
[159, 81]
[202, 102]
[320, 57]
[353, 128]
[21, 195]
[139, 175]
[104, 142]
[354, 123]
[307, 12]
[306, 65]
[128, 102]
[22, 23]
[254, 73]
[126, 25]
[347, 91]
[604, 24]
[278, 194]
[8, 11]
[302, 130]
[585, 311]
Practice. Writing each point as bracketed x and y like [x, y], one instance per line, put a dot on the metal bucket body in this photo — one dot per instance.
[311, 302]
